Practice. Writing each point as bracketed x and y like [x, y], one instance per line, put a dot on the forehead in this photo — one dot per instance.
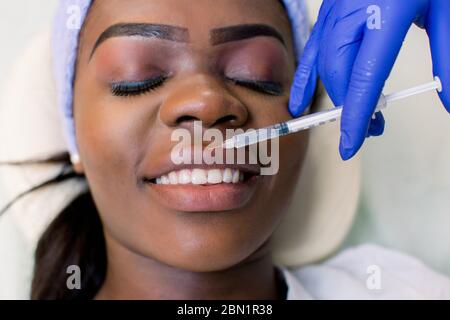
[185, 11]
[198, 16]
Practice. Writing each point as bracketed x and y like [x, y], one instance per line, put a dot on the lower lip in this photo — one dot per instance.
[205, 198]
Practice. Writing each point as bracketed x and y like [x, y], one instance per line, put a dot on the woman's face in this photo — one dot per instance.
[169, 63]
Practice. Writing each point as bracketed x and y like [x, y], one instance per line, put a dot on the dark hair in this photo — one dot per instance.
[75, 237]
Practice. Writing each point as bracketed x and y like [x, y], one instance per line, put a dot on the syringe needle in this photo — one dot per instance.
[319, 118]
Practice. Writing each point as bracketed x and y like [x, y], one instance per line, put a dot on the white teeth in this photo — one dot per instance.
[214, 176]
[173, 178]
[227, 175]
[184, 177]
[165, 180]
[235, 176]
[201, 177]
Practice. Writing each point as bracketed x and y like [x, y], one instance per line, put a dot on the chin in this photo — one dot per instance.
[203, 254]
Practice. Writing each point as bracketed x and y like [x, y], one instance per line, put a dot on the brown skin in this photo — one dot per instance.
[155, 252]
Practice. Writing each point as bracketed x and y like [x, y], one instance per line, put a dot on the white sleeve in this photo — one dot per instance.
[372, 272]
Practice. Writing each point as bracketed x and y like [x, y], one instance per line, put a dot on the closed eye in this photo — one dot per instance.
[266, 87]
[135, 88]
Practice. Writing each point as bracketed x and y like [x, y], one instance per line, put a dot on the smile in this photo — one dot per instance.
[205, 188]
[201, 177]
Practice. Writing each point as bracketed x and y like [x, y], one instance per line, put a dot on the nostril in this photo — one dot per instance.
[229, 119]
[186, 119]
[226, 119]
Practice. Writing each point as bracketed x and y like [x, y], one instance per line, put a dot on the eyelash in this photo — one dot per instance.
[265, 87]
[127, 89]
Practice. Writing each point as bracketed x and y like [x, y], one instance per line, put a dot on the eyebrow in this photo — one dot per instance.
[146, 30]
[179, 34]
[244, 31]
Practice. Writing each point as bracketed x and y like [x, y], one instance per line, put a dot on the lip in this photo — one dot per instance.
[247, 169]
[205, 198]
[200, 198]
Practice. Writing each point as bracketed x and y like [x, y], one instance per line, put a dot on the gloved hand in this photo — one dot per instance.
[354, 58]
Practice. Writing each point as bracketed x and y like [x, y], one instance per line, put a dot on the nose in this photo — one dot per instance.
[203, 98]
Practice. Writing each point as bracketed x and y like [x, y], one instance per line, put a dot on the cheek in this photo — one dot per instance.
[109, 140]
[107, 137]
[101, 139]
[293, 150]
[267, 112]
[292, 153]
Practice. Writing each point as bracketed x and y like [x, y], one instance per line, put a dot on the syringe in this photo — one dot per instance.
[318, 119]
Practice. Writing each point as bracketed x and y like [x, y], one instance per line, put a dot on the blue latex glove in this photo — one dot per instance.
[354, 59]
